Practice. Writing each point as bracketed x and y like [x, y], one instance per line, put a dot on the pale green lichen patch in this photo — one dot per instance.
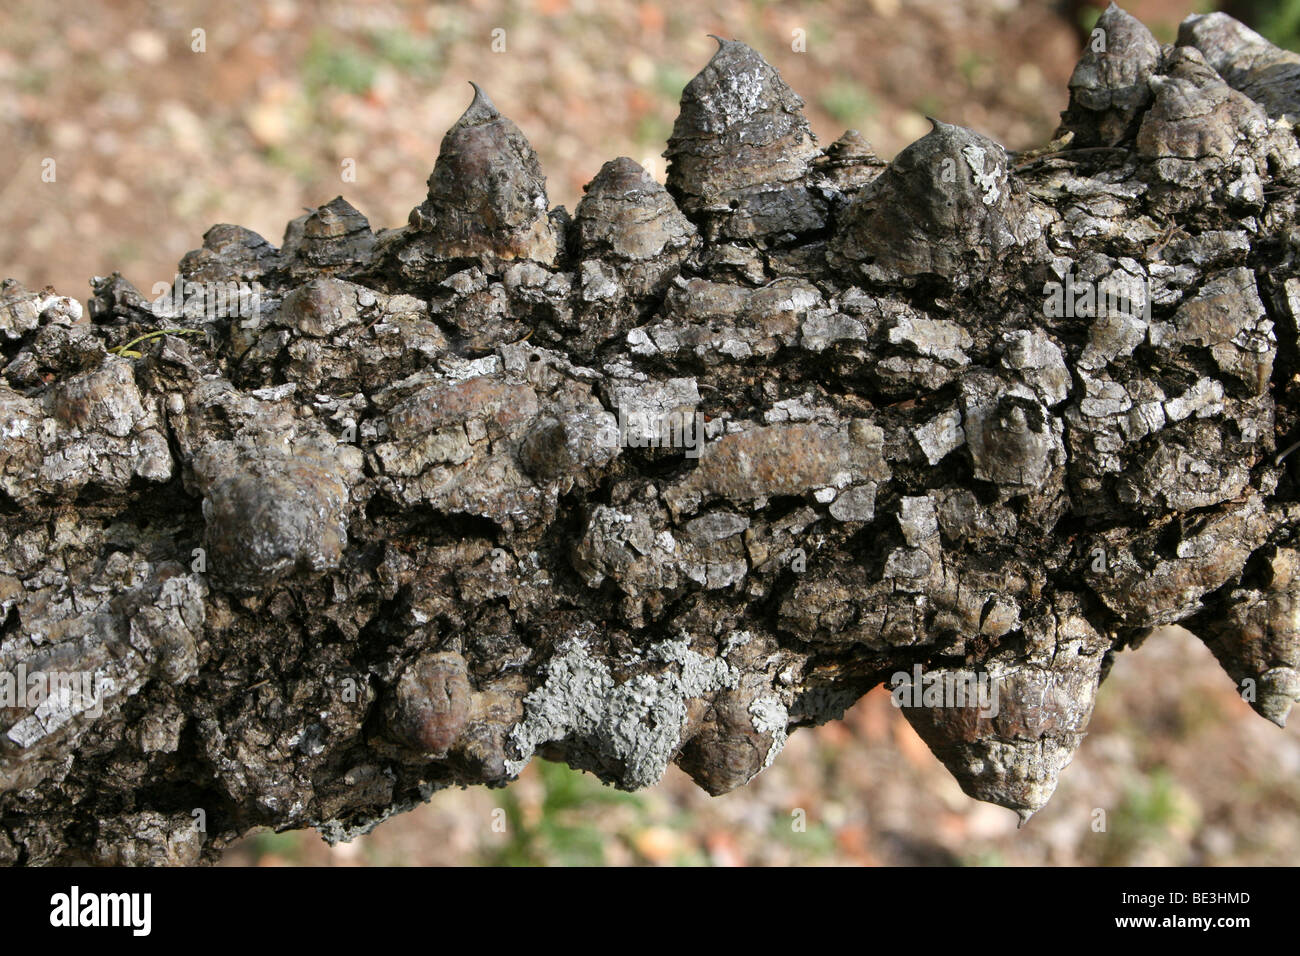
[770, 716]
[627, 732]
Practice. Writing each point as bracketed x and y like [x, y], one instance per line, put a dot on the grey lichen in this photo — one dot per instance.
[628, 730]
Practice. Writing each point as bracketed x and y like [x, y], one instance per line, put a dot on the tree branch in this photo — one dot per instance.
[664, 481]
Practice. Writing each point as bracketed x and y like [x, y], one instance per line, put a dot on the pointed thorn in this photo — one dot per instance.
[1024, 816]
[481, 106]
[721, 42]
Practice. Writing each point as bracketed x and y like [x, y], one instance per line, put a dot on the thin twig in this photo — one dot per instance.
[121, 349]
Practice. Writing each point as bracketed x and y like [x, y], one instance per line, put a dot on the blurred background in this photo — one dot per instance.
[158, 131]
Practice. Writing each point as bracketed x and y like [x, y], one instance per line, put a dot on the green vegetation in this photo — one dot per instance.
[1154, 810]
[286, 846]
[847, 101]
[817, 841]
[974, 68]
[349, 64]
[562, 835]
[334, 63]
[128, 352]
[929, 105]
[1281, 23]
[670, 79]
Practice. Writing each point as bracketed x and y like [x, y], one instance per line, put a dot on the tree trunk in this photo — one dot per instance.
[335, 526]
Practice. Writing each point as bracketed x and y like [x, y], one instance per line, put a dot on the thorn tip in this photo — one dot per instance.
[481, 108]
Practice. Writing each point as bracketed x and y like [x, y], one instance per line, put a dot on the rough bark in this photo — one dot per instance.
[389, 535]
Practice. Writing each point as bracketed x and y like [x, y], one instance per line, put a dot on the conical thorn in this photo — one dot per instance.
[481, 108]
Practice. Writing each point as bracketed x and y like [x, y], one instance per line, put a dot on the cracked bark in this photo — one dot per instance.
[439, 507]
